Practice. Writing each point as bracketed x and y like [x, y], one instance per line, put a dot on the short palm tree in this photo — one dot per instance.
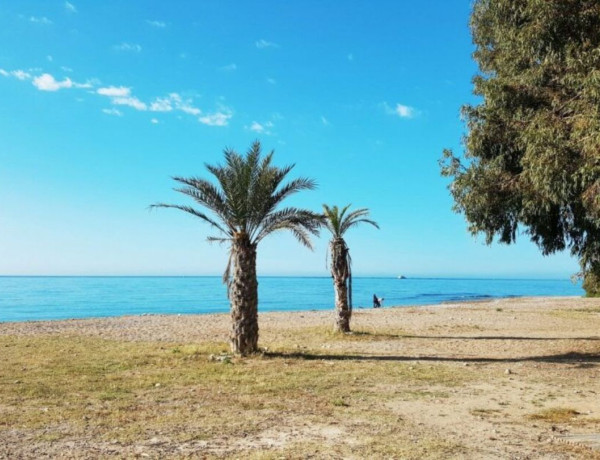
[338, 222]
[244, 204]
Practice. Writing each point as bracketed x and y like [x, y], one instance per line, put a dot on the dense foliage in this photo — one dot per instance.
[532, 151]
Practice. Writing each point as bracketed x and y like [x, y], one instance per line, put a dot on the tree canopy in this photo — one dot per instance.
[532, 149]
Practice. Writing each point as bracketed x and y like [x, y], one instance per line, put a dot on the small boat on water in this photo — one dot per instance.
[402, 277]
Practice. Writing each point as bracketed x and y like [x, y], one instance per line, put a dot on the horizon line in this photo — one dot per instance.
[464, 277]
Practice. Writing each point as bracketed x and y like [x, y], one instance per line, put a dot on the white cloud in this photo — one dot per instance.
[161, 105]
[47, 82]
[130, 101]
[114, 91]
[174, 102]
[4, 73]
[216, 119]
[256, 127]
[325, 121]
[229, 68]
[402, 111]
[189, 109]
[157, 24]
[128, 47]
[21, 74]
[49, 58]
[40, 20]
[261, 128]
[66, 69]
[154, 121]
[113, 112]
[86, 85]
[262, 43]
[70, 7]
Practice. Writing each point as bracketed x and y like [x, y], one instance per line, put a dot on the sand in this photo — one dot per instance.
[536, 354]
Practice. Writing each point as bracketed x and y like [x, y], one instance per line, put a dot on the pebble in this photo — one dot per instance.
[508, 372]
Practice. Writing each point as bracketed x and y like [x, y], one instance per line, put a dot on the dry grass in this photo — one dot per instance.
[60, 388]
[555, 415]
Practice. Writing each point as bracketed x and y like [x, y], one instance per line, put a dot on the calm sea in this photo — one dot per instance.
[43, 298]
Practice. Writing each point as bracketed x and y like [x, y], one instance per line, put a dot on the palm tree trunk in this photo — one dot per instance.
[340, 272]
[243, 296]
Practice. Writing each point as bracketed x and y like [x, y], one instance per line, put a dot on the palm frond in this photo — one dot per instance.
[298, 221]
[216, 239]
[349, 224]
[193, 212]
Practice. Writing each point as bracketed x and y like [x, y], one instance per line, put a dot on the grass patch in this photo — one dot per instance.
[555, 415]
[56, 387]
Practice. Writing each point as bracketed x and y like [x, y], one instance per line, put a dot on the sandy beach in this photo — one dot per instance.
[510, 378]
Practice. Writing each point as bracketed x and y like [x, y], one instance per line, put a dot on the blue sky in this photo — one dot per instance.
[103, 101]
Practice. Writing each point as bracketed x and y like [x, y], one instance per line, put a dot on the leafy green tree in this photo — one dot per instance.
[338, 223]
[244, 210]
[532, 150]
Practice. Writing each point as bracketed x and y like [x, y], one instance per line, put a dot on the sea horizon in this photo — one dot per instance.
[499, 278]
[38, 298]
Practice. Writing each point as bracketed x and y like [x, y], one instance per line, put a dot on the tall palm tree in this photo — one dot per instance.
[244, 204]
[338, 222]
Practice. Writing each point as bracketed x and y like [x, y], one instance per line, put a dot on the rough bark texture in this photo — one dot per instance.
[340, 272]
[243, 295]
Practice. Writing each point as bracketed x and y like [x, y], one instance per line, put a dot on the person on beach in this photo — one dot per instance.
[377, 301]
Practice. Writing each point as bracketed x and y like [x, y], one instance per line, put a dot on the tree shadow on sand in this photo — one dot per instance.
[377, 335]
[563, 358]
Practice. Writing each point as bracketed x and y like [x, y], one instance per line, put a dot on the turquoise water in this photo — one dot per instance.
[43, 298]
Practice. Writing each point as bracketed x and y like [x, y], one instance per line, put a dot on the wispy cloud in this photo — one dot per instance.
[229, 68]
[271, 81]
[121, 95]
[154, 121]
[128, 47]
[114, 91]
[157, 24]
[325, 121]
[70, 7]
[114, 112]
[400, 110]
[130, 101]
[350, 57]
[40, 20]
[19, 74]
[256, 127]
[161, 105]
[262, 43]
[174, 101]
[261, 128]
[220, 118]
[47, 82]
